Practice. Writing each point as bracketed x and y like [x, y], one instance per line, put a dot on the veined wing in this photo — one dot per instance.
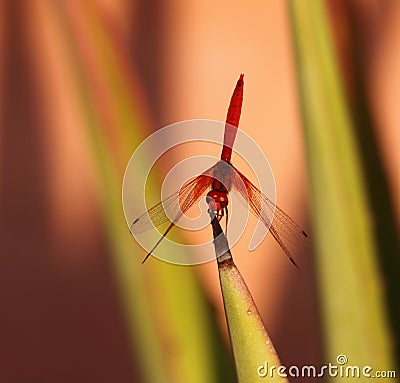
[174, 206]
[263, 208]
[274, 218]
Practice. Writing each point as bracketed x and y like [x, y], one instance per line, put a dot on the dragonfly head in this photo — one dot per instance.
[219, 199]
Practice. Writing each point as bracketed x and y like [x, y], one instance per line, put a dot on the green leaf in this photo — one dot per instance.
[351, 290]
[254, 354]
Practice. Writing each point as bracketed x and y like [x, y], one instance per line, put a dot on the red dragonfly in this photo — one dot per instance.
[221, 178]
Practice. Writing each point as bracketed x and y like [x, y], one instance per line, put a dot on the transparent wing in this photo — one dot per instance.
[264, 209]
[175, 205]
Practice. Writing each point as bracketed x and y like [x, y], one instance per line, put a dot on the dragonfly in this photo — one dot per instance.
[219, 180]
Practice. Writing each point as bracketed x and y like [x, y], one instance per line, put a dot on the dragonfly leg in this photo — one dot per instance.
[226, 221]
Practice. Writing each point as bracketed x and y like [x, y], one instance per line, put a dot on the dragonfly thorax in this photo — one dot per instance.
[218, 186]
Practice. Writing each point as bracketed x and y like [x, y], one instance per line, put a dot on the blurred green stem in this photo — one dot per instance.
[351, 290]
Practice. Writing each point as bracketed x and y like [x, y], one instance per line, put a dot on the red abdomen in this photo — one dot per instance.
[232, 120]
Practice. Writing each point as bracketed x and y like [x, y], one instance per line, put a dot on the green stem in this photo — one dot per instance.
[253, 351]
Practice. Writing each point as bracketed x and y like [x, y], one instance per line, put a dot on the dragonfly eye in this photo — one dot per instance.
[220, 199]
